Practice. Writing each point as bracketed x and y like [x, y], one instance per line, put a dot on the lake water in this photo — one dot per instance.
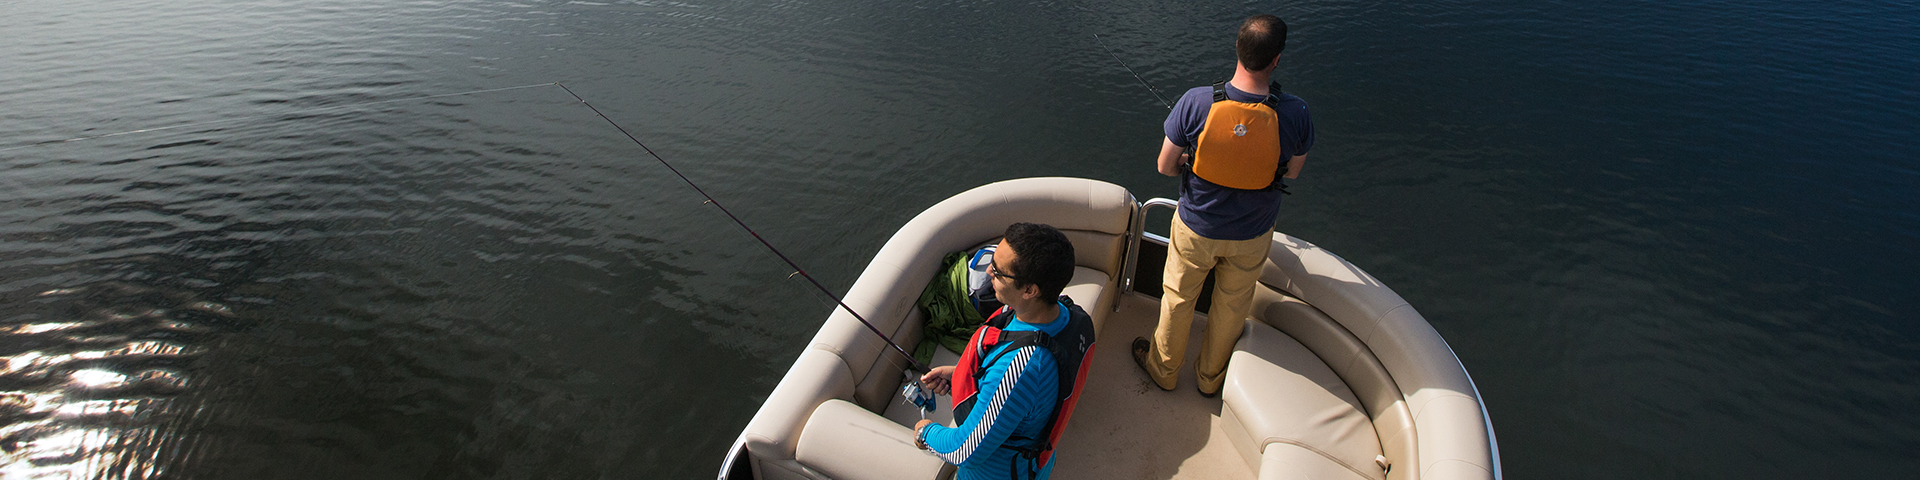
[1668, 239]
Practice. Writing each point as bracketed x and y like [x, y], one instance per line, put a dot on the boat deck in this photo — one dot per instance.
[1125, 427]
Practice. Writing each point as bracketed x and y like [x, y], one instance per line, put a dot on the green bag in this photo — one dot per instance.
[951, 318]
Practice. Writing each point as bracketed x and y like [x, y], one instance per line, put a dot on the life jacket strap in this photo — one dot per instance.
[1031, 454]
[1272, 101]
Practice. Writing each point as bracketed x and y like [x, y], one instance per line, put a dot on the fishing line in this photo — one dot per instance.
[1136, 76]
[919, 367]
[250, 117]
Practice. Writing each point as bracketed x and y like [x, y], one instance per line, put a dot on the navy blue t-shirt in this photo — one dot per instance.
[1222, 213]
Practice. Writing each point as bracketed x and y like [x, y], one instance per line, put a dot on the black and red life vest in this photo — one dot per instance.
[1072, 351]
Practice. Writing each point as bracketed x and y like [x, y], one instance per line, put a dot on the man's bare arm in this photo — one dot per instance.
[1294, 165]
[1171, 156]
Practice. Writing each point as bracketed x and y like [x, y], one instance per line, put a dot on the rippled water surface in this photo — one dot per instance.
[1668, 239]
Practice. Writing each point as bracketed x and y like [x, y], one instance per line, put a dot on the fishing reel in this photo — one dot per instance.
[918, 396]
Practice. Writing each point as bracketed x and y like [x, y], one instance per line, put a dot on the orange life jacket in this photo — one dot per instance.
[1239, 146]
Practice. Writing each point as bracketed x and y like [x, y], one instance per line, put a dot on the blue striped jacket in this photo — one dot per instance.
[1017, 393]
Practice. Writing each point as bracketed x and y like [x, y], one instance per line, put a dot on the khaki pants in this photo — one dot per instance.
[1236, 267]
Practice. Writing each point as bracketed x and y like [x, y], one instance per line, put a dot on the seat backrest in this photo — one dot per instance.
[1349, 358]
[847, 361]
[1452, 437]
[1094, 215]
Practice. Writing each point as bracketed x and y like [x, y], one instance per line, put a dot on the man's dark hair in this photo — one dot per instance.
[1045, 257]
[1261, 38]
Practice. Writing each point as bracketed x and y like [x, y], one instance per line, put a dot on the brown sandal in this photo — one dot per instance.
[1204, 393]
[1142, 347]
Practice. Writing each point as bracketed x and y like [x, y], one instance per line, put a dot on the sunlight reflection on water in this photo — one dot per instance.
[90, 398]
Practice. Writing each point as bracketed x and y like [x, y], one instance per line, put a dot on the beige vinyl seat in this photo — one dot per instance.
[1334, 377]
[1332, 350]
[825, 419]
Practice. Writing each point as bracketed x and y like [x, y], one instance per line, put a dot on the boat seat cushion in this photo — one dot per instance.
[1091, 290]
[1288, 401]
[1293, 462]
[1351, 360]
[1097, 250]
[1439, 396]
[847, 442]
[817, 376]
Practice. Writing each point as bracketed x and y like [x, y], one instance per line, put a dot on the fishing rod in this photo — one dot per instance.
[917, 366]
[1136, 76]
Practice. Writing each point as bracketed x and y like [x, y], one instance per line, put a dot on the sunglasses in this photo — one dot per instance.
[993, 267]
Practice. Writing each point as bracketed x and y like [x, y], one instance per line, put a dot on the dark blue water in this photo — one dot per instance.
[1668, 239]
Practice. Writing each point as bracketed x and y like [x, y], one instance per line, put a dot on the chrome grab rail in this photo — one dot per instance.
[1133, 241]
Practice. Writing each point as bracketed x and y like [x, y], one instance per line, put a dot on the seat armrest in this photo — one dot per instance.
[847, 442]
[816, 377]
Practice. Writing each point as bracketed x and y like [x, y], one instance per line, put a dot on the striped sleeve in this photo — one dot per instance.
[1010, 391]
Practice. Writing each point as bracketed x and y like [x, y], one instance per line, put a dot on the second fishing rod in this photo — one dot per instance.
[1136, 75]
[1239, 127]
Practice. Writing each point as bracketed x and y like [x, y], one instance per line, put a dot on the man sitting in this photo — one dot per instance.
[1018, 379]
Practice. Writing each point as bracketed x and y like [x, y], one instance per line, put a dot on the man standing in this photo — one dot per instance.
[1245, 136]
[1019, 378]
